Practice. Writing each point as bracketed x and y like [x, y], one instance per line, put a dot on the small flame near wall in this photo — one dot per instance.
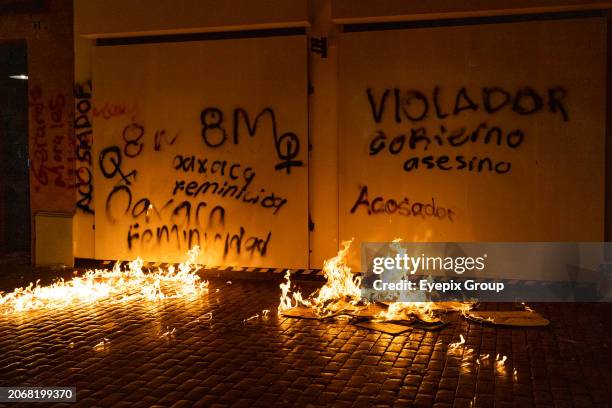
[342, 288]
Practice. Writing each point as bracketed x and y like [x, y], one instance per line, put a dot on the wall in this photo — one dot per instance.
[202, 143]
[498, 135]
[126, 18]
[49, 36]
[121, 19]
[323, 171]
[365, 11]
[112, 18]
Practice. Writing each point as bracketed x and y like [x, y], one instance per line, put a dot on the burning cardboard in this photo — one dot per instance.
[341, 295]
[384, 327]
[520, 318]
[302, 312]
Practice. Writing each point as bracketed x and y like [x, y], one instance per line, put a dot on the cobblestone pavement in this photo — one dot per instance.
[118, 355]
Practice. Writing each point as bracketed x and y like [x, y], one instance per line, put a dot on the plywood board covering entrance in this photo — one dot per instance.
[473, 133]
[202, 143]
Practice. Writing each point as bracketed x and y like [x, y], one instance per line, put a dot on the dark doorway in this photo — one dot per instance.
[14, 180]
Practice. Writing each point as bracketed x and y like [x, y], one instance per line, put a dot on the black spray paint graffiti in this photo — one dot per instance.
[178, 223]
[84, 140]
[404, 207]
[419, 138]
[214, 134]
[132, 138]
[238, 243]
[416, 106]
[237, 183]
[110, 161]
[161, 138]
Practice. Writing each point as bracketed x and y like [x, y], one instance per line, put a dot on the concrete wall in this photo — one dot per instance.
[49, 35]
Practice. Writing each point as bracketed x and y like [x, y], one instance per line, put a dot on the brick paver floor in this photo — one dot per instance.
[121, 354]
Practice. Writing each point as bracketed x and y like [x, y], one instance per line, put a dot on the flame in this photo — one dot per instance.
[342, 291]
[286, 301]
[500, 363]
[467, 361]
[420, 307]
[127, 284]
[169, 333]
[248, 319]
[457, 344]
[342, 288]
[428, 312]
[263, 315]
[101, 346]
[483, 358]
[407, 310]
